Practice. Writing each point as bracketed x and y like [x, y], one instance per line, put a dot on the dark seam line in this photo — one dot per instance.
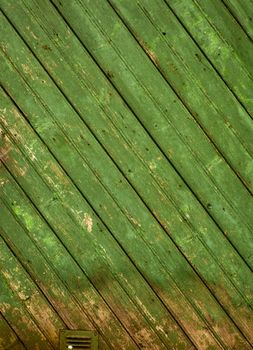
[34, 242]
[51, 228]
[54, 271]
[214, 143]
[188, 108]
[7, 322]
[12, 246]
[155, 254]
[102, 222]
[32, 281]
[91, 170]
[195, 195]
[214, 27]
[187, 145]
[165, 154]
[172, 316]
[186, 297]
[21, 258]
[81, 118]
[186, 68]
[157, 146]
[232, 13]
[150, 137]
[188, 186]
[209, 60]
[42, 215]
[31, 317]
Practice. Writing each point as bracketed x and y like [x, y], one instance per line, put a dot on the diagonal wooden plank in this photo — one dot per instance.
[8, 337]
[229, 31]
[49, 206]
[70, 308]
[246, 243]
[37, 157]
[235, 69]
[111, 135]
[79, 291]
[212, 185]
[93, 267]
[243, 13]
[29, 295]
[194, 80]
[82, 291]
[20, 320]
[18, 346]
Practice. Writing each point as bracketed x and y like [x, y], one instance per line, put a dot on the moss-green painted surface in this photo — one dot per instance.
[126, 173]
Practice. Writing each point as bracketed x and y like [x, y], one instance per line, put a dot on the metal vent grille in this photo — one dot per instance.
[78, 340]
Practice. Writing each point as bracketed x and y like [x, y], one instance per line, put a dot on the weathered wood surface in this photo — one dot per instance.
[126, 173]
[7, 334]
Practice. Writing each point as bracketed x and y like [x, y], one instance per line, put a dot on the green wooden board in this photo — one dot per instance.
[213, 188]
[243, 13]
[8, 337]
[126, 173]
[230, 51]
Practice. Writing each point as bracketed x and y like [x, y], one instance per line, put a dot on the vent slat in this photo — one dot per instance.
[78, 343]
[78, 340]
[83, 344]
[79, 346]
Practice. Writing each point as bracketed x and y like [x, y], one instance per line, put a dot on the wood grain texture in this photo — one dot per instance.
[135, 208]
[21, 320]
[180, 140]
[187, 71]
[126, 174]
[8, 337]
[243, 14]
[230, 51]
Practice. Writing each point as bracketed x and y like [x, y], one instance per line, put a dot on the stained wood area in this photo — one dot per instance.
[126, 173]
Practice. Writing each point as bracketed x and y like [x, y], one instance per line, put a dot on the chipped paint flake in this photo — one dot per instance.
[87, 222]
[152, 165]
[3, 110]
[31, 153]
[4, 152]
[215, 161]
[28, 71]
